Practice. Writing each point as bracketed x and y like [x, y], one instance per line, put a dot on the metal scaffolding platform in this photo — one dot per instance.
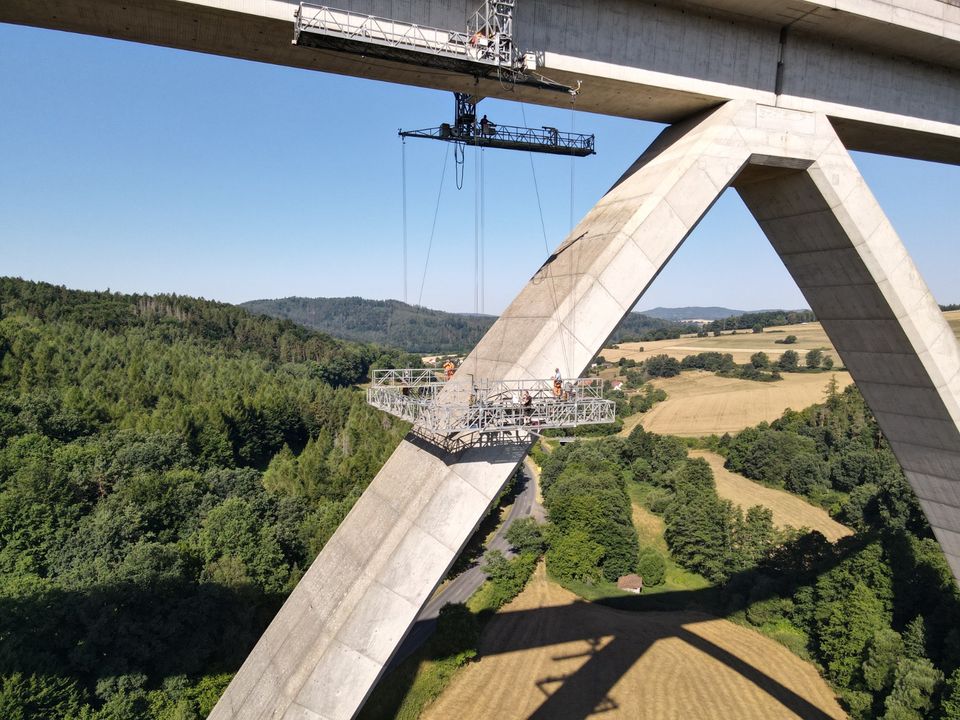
[456, 407]
[468, 128]
[484, 48]
[509, 137]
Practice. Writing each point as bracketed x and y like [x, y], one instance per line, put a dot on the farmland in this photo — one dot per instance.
[549, 654]
[701, 403]
[788, 510]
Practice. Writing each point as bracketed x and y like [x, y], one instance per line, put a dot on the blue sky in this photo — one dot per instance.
[145, 169]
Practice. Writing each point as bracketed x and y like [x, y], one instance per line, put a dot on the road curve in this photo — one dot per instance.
[468, 582]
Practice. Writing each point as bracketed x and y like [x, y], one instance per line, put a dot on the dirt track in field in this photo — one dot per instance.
[551, 656]
[787, 509]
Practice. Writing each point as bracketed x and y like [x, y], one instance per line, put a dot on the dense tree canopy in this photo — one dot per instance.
[169, 468]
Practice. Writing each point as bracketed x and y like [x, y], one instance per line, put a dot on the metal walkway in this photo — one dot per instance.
[485, 48]
[458, 407]
[509, 137]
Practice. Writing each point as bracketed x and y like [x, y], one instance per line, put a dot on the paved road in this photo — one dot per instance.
[466, 583]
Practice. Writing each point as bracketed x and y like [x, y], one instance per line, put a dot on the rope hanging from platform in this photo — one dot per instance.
[433, 227]
[403, 185]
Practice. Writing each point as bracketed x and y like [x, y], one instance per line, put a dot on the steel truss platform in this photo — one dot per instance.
[455, 407]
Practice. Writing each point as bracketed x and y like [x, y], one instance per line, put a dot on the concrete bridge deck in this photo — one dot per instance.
[887, 74]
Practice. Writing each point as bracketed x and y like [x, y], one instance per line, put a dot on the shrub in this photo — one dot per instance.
[814, 358]
[651, 566]
[658, 500]
[769, 610]
[789, 361]
[525, 536]
[661, 366]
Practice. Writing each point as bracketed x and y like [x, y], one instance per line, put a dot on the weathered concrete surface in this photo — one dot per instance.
[329, 643]
[327, 646]
[886, 73]
[881, 317]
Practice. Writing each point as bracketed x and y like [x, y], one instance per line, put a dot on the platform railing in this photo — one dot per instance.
[459, 406]
[350, 25]
[546, 139]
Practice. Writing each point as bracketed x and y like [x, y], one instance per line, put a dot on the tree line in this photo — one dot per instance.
[761, 367]
[878, 612]
[169, 468]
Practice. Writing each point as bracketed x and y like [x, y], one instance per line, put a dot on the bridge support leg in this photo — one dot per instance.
[329, 644]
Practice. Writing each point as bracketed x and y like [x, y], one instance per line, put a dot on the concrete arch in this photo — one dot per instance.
[326, 648]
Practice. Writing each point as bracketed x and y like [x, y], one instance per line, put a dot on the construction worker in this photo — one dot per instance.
[487, 127]
[449, 368]
[557, 383]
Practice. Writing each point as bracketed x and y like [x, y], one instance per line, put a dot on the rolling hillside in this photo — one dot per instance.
[416, 329]
[680, 314]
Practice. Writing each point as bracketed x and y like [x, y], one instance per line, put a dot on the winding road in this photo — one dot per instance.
[466, 583]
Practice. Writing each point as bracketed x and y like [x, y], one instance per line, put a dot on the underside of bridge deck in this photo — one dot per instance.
[890, 82]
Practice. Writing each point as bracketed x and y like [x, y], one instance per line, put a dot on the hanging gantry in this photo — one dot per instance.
[433, 402]
[456, 407]
[485, 49]
[468, 129]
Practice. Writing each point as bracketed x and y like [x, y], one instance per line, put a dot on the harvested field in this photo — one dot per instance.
[953, 317]
[700, 403]
[550, 655]
[744, 343]
[741, 346]
[787, 509]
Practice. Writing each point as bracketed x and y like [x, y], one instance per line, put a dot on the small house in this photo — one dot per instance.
[630, 583]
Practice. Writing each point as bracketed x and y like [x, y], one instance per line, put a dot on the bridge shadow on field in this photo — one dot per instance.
[577, 681]
[553, 656]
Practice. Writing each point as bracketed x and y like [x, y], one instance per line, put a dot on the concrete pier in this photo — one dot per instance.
[329, 644]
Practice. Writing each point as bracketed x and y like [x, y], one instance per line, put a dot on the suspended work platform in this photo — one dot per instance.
[509, 137]
[484, 48]
[456, 407]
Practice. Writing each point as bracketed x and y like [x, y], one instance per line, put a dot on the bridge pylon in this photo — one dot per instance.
[329, 644]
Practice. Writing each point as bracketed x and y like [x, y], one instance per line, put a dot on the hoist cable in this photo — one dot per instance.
[403, 173]
[433, 228]
[483, 273]
[573, 128]
[476, 226]
[576, 250]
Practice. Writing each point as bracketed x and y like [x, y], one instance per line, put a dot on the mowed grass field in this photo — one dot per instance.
[550, 654]
[787, 509]
[701, 403]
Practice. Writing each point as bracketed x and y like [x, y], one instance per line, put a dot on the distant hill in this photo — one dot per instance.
[387, 322]
[416, 329]
[693, 312]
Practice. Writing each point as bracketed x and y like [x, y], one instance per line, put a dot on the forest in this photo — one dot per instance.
[420, 329]
[168, 469]
[877, 612]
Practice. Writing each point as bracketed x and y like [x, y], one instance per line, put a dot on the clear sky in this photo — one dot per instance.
[144, 169]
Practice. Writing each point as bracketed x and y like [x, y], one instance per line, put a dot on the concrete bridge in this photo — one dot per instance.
[765, 97]
[884, 71]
